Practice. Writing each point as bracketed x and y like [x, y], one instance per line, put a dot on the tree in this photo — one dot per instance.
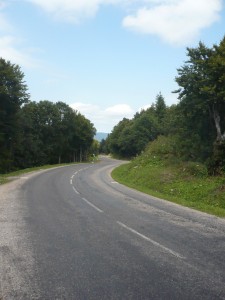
[160, 107]
[65, 131]
[130, 137]
[29, 150]
[114, 139]
[52, 133]
[13, 94]
[104, 147]
[202, 95]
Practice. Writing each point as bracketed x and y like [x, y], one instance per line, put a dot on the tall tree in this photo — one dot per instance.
[130, 137]
[52, 133]
[160, 107]
[202, 95]
[13, 94]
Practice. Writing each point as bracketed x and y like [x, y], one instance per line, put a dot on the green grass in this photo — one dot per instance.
[4, 178]
[184, 183]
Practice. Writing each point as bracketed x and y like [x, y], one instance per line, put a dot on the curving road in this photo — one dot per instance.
[74, 233]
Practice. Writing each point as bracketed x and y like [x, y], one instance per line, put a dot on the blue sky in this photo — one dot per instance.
[105, 58]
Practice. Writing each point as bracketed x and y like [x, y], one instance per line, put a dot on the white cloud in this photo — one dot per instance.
[10, 51]
[144, 107]
[86, 109]
[119, 110]
[104, 119]
[72, 10]
[174, 21]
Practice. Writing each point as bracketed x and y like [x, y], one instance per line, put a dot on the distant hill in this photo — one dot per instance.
[100, 136]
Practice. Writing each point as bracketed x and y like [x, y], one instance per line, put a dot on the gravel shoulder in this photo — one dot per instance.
[16, 253]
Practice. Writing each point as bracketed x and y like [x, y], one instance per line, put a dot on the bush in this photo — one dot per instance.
[163, 146]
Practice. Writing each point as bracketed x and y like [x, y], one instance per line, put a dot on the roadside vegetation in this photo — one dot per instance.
[158, 173]
[178, 151]
[38, 133]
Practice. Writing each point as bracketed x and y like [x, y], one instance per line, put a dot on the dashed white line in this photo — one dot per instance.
[151, 241]
[76, 191]
[71, 181]
[92, 205]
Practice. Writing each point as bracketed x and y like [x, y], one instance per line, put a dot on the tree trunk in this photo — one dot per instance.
[80, 154]
[217, 163]
[220, 136]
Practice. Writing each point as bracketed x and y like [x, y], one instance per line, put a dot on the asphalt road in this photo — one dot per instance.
[74, 233]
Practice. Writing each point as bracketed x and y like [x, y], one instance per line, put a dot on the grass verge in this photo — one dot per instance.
[187, 184]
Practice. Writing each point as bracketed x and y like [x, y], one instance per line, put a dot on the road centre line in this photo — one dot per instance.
[92, 205]
[151, 241]
[76, 191]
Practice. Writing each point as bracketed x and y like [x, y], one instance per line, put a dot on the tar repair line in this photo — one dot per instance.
[151, 241]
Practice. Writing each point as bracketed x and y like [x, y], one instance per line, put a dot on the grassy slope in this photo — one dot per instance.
[183, 183]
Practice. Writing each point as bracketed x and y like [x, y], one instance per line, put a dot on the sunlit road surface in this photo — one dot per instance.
[75, 233]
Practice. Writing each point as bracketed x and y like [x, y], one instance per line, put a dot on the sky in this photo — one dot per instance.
[107, 59]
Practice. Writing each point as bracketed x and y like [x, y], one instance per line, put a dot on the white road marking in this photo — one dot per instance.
[76, 191]
[92, 205]
[151, 241]
[71, 181]
[114, 182]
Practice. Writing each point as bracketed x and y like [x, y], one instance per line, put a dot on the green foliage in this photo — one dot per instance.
[202, 104]
[34, 134]
[104, 147]
[160, 107]
[216, 164]
[163, 146]
[51, 133]
[94, 149]
[130, 137]
[184, 183]
[193, 169]
[13, 94]
[188, 144]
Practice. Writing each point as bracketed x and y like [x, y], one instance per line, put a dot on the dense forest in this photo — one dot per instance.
[37, 133]
[195, 127]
